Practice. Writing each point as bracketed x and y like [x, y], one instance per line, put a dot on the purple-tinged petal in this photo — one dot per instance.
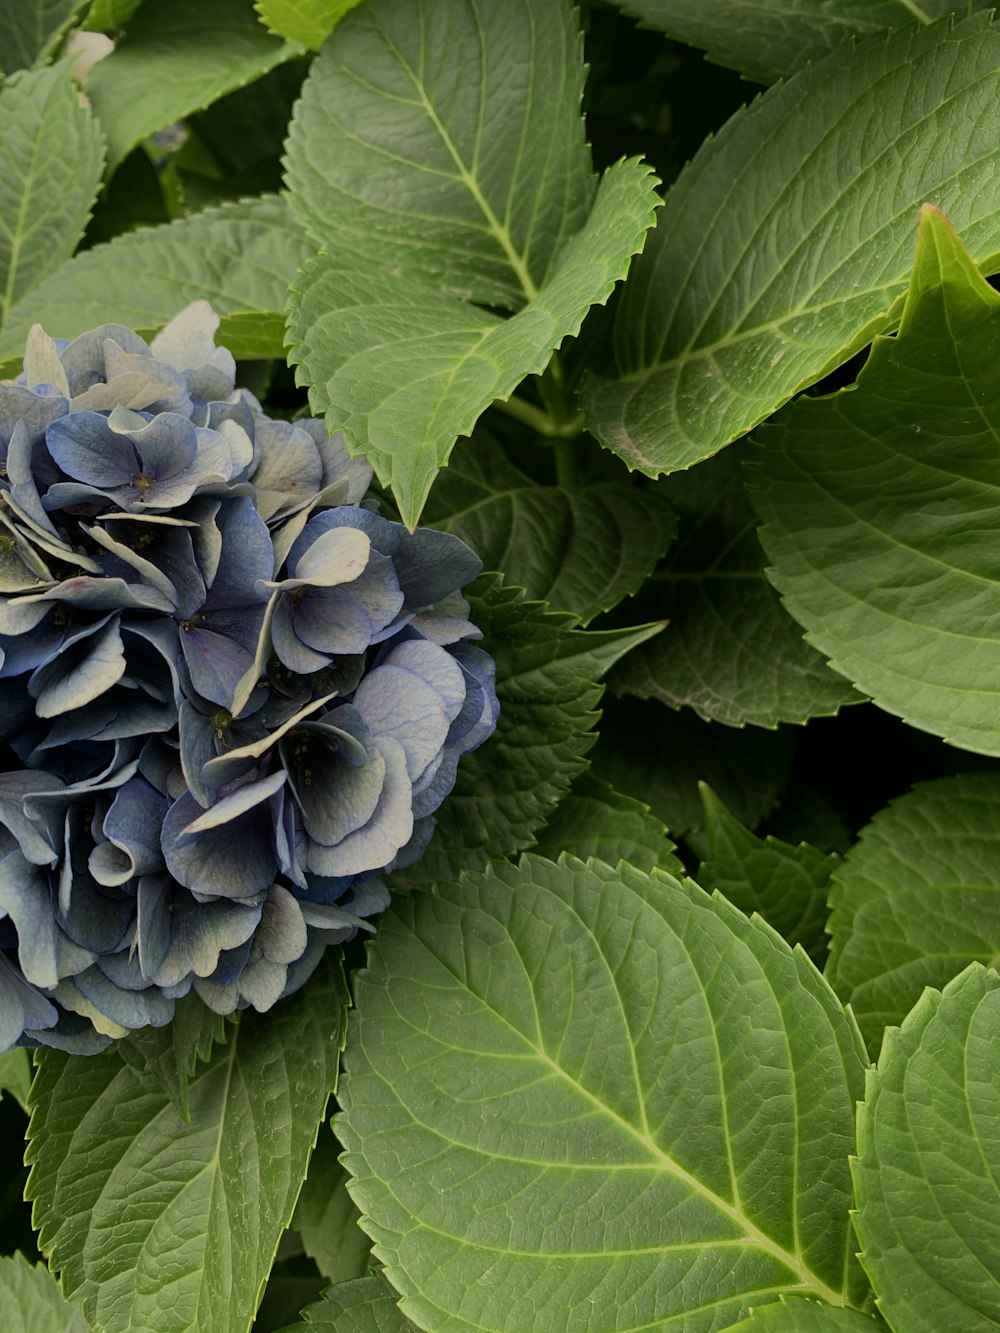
[132, 829]
[389, 828]
[80, 673]
[235, 859]
[89, 451]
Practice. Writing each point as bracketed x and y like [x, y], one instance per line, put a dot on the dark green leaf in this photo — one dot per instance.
[917, 898]
[595, 820]
[568, 1087]
[367, 1305]
[785, 245]
[164, 1226]
[879, 507]
[31, 1302]
[326, 1218]
[928, 1201]
[581, 550]
[173, 1053]
[30, 29]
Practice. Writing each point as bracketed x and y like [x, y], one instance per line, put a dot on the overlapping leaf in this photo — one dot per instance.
[880, 507]
[28, 32]
[366, 1305]
[172, 1053]
[595, 820]
[326, 1218]
[31, 1302]
[547, 683]
[51, 158]
[928, 1163]
[784, 246]
[157, 1224]
[580, 549]
[771, 39]
[240, 257]
[309, 22]
[729, 651]
[174, 59]
[15, 1075]
[670, 1094]
[917, 898]
[800, 1316]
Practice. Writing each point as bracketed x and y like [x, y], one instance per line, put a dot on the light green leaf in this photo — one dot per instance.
[670, 1094]
[917, 898]
[309, 22]
[51, 156]
[659, 756]
[547, 684]
[326, 1218]
[109, 15]
[173, 1053]
[367, 1305]
[581, 550]
[595, 820]
[729, 651]
[240, 257]
[880, 505]
[30, 30]
[174, 59]
[928, 1202]
[786, 885]
[404, 369]
[752, 286]
[450, 136]
[802, 1316]
[771, 39]
[163, 1226]
[15, 1075]
[31, 1302]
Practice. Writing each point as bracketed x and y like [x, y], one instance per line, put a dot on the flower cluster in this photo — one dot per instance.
[231, 692]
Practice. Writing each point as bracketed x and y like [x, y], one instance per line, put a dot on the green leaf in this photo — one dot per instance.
[877, 506]
[800, 1316]
[240, 257]
[404, 369]
[160, 1225]
[659, 757]
[15, 1075]
[173, 1053]
[31, 1302]
[729, 652]
[109, 15]
[547, 683]
[51, 158]
[451, 136]
[670, 1094]
[174, 59]
[595, 820]
[581, 549]
[29, 32]
[772, 39]
[326, 1218]
[367, 1305]
[308, 22]
[752, 286]
[786, 885]
[917, 898]
[928, 1210]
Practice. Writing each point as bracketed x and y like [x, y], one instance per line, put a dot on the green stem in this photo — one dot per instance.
[566, 456]
[540, 421]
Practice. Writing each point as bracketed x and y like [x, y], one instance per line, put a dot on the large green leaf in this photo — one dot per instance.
[31, 1302]
[450, 135]
[928, 1199]
[15, 1075]
[729, 651]
[367, 1305]
[326, 1218]
[172, 1053]
[28, 32]
[580, 549]
[51, 157]
[659, 757]
[309, 22]
[404, 369]
[174, 59]
[771, 39]
[547, 684]
[785, 245]
[917, 898]
[880, 507]
[158, 1225]
[595, 820]
[240, 257]
[786, 885]
[591, 1099]
[800, 1316]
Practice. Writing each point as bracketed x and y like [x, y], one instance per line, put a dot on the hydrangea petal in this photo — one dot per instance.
[88, 450]
[390, 827]
[77, 676]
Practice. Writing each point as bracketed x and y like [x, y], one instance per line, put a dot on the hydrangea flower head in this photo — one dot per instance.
[232, 693]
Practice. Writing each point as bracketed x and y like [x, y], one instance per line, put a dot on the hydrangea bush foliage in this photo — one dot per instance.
[377, 381]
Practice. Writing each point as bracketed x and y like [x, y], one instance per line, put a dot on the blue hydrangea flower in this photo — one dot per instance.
[232, 693]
